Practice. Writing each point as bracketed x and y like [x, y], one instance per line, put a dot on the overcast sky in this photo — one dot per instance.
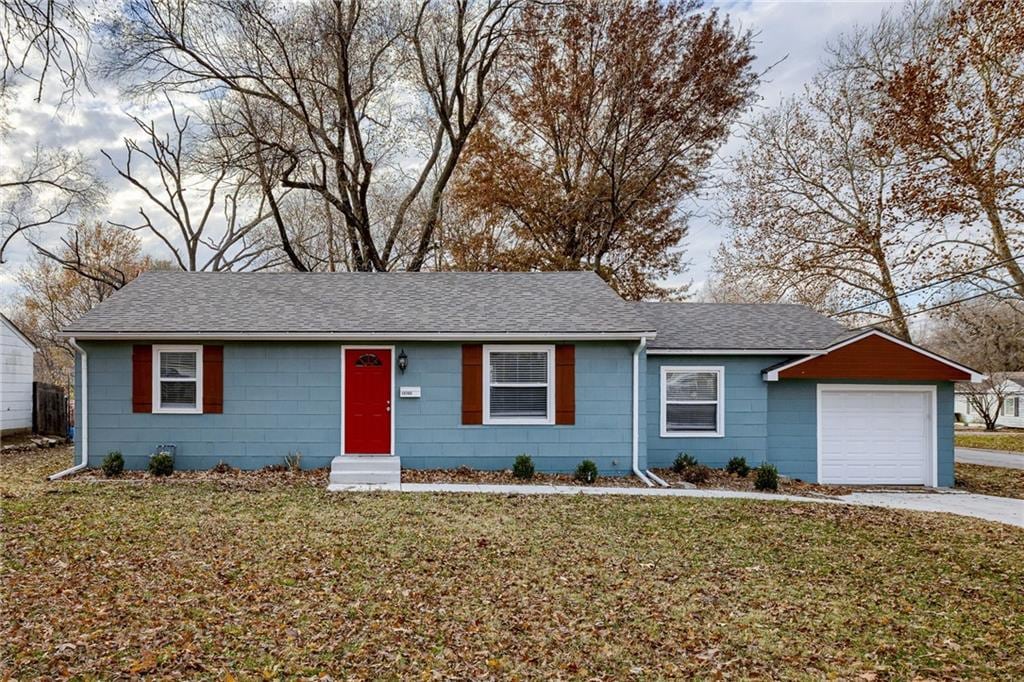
[794, 32]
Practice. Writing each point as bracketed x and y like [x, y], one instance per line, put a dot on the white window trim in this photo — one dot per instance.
[157, 408]
[550, 418]
[719, 432]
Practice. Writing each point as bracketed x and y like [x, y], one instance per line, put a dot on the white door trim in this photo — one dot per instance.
[391, 369]
[933, 473]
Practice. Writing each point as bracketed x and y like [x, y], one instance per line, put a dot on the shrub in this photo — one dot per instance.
[766, 477]
[698, 473]
[113, 464]
[738, 466]
[586, 472]
[523, 467]
[293, 460]
[683, 462]
[161, 464]
[222, 467]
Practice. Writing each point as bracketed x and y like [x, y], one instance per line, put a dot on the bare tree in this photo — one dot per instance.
[987, 334]
[52, 187]
[811, 208]
[215, 231]
[338, 83]
[43, 40]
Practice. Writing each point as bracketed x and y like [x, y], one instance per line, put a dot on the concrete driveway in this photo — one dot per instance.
[991, 458]
[1000, 509]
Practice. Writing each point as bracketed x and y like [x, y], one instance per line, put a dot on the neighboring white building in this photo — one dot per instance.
[16, 374]
[1012, 414]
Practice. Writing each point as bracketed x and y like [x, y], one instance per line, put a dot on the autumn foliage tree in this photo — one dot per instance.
[608, 123]
[60, 285]
[954, 103]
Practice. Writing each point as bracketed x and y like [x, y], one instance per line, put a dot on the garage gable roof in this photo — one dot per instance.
[876, 355]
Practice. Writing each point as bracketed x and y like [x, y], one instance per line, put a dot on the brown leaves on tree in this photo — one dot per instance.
[609, 120]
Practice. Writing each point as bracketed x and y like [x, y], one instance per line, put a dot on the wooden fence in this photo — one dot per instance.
[49, 409]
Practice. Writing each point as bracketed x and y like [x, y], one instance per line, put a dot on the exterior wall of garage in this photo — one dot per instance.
[792, 426]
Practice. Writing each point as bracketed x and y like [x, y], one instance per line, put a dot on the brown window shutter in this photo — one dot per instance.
[142, 378]
[472, 384]
[565, 384]
[213, 379]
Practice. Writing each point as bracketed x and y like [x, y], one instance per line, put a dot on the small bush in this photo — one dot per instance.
[113, 464]
[766, 477]
[698, 473]
[222, 467]
[738, 466]
[586, 472]
[161, 464]
[523, 467]
[683, 462]
[293, 460]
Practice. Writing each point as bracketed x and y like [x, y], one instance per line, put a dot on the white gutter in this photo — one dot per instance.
[82, 433]
[636, 412]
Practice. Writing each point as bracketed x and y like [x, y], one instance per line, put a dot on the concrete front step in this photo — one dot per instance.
[350, 472]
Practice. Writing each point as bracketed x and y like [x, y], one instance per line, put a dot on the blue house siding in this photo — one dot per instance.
[746, 411]
[430, 433]
[793, 427]
[281, 398]
[278, 399]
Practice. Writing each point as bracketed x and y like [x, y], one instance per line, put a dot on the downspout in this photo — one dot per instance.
[82, 433]
[636, 412]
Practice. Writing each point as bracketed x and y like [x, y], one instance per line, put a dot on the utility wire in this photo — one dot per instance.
[929, 286]
[941, 305]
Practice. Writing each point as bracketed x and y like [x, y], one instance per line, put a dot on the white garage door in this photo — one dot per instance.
[875, 436]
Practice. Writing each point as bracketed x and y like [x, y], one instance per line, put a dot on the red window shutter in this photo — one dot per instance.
[142, 378]
[565, 384]
[472, 384]
[213, 379]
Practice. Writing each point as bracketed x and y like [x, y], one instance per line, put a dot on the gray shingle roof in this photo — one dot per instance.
[739, 326]
[340, 303]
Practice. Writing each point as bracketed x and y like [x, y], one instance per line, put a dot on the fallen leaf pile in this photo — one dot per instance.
[279, 579]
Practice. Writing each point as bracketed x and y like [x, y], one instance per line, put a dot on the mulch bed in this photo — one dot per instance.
[228, 477]
[723, 480]
[467, 475]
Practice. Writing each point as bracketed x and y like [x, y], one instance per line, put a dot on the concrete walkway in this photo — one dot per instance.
[991, 458]
[988, 507]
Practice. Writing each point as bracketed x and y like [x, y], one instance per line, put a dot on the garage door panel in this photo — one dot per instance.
[875, 436]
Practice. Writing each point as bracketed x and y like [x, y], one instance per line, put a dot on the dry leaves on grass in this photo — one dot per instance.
[198, 581]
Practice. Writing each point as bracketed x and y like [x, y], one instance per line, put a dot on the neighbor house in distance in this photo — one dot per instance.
[17, 353]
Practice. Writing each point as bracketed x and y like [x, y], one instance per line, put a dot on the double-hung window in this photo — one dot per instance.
[178, 379]
[691, 401]
[519, 384]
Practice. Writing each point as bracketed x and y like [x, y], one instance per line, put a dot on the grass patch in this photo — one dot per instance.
[1012, 441]
[990, 480]
[198, 579]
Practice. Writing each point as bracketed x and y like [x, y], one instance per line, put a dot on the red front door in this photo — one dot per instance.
[367, 401]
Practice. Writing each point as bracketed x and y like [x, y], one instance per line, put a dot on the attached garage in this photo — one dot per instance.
[883, 413]
[876, 434]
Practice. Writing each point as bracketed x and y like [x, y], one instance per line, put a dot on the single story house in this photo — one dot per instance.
[1011, 393]
[369, 373]
[17, 355]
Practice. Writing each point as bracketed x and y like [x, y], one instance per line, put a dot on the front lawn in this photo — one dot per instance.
[1008, 441]
[271, 576]
[988, 480]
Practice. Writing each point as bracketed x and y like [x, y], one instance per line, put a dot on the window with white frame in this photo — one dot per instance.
[519, 384]
[691, 401]
[178, 379]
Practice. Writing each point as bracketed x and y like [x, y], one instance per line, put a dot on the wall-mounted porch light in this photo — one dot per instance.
[403, 360]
